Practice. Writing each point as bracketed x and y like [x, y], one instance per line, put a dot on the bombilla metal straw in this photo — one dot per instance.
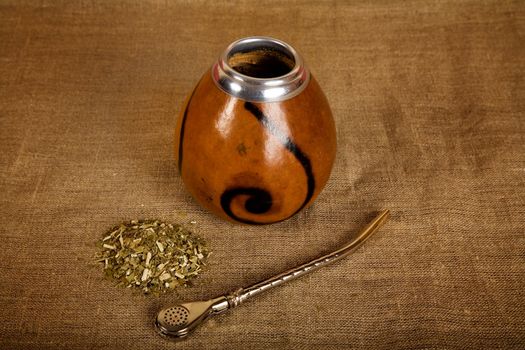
[178, 321]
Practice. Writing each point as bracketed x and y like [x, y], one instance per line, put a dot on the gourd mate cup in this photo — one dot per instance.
[256, 141]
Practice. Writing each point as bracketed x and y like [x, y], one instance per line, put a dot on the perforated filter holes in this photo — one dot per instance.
[176, 316]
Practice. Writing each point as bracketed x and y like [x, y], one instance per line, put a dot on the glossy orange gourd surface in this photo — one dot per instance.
[255, 162]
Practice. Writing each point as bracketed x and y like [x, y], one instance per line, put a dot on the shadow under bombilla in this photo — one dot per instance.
[178, 321]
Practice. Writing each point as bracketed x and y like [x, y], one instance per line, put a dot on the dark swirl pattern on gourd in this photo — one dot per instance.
[183, 126]
[260, 200]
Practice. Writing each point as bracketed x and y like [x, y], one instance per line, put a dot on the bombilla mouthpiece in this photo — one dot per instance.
[260, 69]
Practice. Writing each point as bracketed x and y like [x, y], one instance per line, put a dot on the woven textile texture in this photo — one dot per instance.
[428, 99]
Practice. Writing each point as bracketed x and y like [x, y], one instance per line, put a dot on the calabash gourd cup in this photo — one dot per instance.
[256, 141]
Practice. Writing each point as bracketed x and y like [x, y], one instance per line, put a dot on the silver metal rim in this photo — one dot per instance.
[260, 89]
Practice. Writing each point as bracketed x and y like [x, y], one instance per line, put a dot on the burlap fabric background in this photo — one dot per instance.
[428, 99]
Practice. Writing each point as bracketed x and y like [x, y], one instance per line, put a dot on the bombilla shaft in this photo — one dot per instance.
[241, 295]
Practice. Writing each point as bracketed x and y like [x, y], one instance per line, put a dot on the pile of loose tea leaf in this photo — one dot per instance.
[151, 255]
